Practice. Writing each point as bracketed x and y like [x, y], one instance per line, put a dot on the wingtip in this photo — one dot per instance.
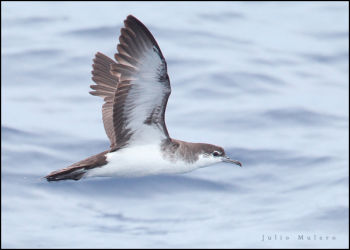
[130, 16]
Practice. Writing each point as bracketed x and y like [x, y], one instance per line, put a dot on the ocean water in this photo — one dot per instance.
[267, 81]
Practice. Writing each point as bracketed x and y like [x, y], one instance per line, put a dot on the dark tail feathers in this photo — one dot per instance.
[79, 169]
[66, 174]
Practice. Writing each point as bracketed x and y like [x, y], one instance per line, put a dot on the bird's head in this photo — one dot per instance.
[214, 154]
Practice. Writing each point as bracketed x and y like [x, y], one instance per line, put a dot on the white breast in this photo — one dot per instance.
[143, 160]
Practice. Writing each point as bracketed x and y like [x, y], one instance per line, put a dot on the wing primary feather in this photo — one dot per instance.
[135, 87]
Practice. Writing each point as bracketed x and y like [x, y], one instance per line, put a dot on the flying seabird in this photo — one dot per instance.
[136, 89]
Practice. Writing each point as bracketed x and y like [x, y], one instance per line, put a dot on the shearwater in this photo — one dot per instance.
[135, 89]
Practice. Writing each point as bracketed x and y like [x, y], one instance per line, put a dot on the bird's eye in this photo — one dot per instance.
[216, 153]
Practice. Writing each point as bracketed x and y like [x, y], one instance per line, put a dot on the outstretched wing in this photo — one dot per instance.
[135, 90]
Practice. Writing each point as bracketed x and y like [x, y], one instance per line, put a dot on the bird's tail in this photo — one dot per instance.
[79, 169]
[66, 174]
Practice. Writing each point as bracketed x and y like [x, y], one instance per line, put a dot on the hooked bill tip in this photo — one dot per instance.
[227, 159]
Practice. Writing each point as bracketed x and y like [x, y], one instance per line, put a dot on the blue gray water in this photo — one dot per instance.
[268, 81]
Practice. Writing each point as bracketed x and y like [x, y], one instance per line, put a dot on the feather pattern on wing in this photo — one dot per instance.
[135, 89]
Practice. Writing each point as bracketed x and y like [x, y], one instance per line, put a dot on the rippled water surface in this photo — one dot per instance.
[267, 81]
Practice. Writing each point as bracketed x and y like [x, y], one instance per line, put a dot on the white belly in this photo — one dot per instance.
[141, 161]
